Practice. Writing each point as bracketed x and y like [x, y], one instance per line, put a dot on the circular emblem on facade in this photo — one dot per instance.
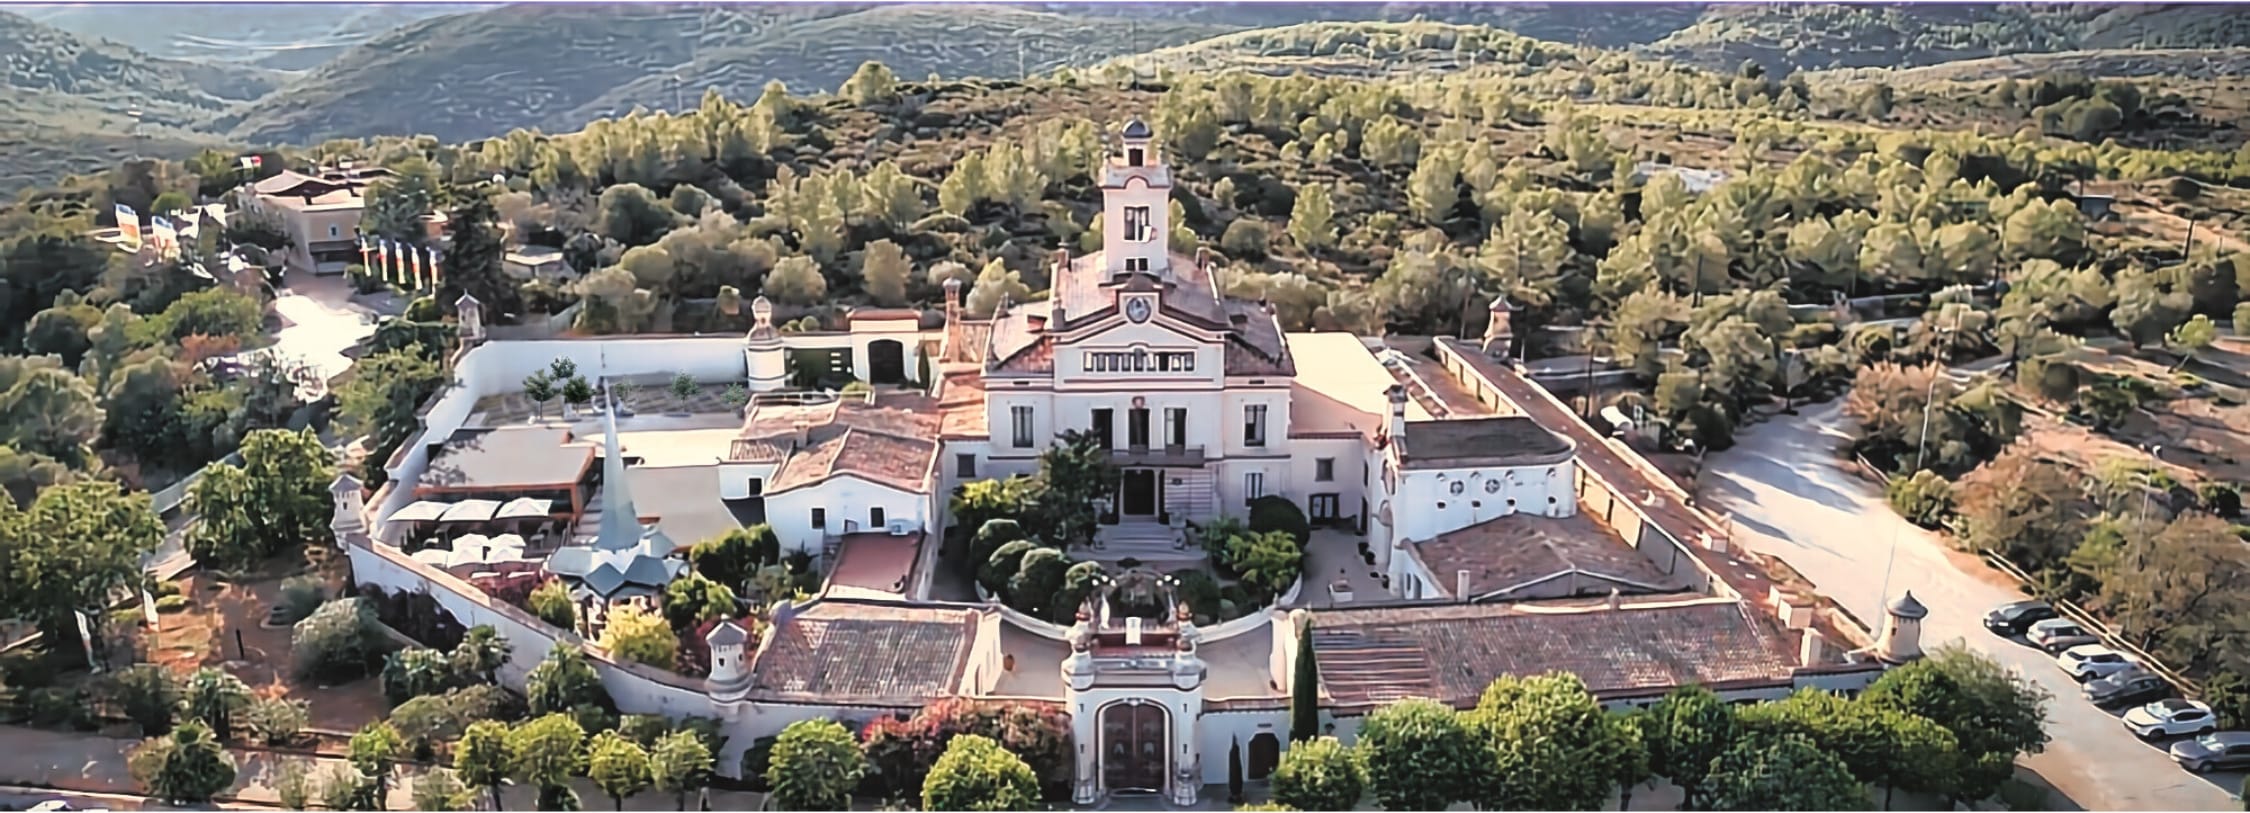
[1491, 486]
[1138, 309]
[1460, 486]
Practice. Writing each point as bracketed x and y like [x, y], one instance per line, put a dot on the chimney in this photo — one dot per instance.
[804, 434]
[1397, 396]
[1203, 258]
[1616, 599]
[1810, 648]
[1461, 585]
[952, 299]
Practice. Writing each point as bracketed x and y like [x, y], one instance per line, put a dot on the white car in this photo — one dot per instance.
[2058, 634]
[2173, 717]
[2088, 661]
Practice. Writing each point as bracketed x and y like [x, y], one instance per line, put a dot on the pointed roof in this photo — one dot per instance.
[621, 525]
[627, 557]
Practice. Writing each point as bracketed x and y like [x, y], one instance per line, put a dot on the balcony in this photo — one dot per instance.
[1158, 456]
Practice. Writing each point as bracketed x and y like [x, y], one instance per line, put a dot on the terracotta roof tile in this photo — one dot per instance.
[965, 341]
[837, 651]
[898, 462]
[961, 405]
[1511, 551]
[1491, 440]
[1451, 652]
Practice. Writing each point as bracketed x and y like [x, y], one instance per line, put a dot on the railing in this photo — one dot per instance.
[1168, 454]
[2110, 637]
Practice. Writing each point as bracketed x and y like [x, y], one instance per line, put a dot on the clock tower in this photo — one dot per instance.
[1136, 205]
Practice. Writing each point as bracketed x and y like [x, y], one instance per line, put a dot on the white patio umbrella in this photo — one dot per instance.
[470, 511]
[434, 557]
[525, 508]
[421, 511]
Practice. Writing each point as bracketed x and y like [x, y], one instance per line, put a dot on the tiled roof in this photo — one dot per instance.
[898, 462]
[1471, 441]
[1511, 551]
[961, 405]
[965, 341]
[836, 651]
[1451, 652]
[876, 561]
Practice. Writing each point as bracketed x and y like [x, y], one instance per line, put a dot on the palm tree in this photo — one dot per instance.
[214, 696]
[482, 652]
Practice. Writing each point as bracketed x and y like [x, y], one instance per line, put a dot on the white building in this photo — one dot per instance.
[1489, 513]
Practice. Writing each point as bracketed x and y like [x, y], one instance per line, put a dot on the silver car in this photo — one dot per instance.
[2058, 634]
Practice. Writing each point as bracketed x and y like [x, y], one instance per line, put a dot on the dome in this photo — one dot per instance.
[1906, 606]
[1136, 128]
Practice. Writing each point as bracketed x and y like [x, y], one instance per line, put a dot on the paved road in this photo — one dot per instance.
[1788, 496]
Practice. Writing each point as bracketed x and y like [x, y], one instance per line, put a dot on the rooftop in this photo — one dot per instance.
[877, 562]
[683, 501]
[508, 458]
[1343, 392]
[839, 651]
[1531, 556]
[1497, 440]
[1451, 652]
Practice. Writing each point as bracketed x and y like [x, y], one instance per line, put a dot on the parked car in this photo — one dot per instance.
[2058, 634]
[2088, 661]
[2174, 717]
[2014, 618]
[2129, 687]
[2219, 749]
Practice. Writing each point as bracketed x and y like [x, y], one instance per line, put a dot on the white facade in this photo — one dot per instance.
[843, 504]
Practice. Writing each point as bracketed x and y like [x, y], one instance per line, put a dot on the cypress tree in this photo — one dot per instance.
[1304, 690]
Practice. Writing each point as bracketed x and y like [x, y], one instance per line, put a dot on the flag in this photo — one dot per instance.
[253, 161]
[434, 275]
[364, 260]
[421, 277]
[129, 225]
[383, 259]
[167, 237]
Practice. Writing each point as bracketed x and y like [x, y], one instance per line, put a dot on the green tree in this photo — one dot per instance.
[1304, 689]
[1628, 760]
[211, 312]
[815, 766]
[564, 681]
[1880, 746]
[71, 550]
[1993, 712]
[540, 388]
[213, 697]
[481, 757]
[994, 285]
[481, 653]
[149, 696]
[641, 636]
[796, 281]
[883, 271]
[1548, 737]
[46, 409]
[679, 764]
[1420, 755]
[547, 751]
[1074, 472]
[633, 216]
[375, 750]
[2190, 337]
[2145, 312]
[1784, 772]
[731, 558]
[618, 766]
[437, 789]
[693, 600]
[472, 263]
[1687, 730]
[1312, 218]
[187, 766]
[872, 85]
[1319, 774]
[975, 773]
[276, 500]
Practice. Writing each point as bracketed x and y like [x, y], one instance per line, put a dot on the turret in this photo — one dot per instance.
[349, 523]
[1396, 394]
[730, 666]
[764, 355]
[1902, 630]
[1136, 205]
[1500, 333]
[471, 314]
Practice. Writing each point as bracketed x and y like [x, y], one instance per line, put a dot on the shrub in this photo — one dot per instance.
[300, 596]
[815, 766]
[2220, 498]
[990, 536]
[171, 604]
[755, 760]
[168, 587]
[416, 672]
[336, 641]
[1078, 583]
[564, 681]
[900, 752]
[1319, 774]
[1275, 513]
[60, 707]
[1037, 580]
[1199, 592]
[148, 695]
[1924, 499]
[640, 636]
[551, 603]
[276, 721]
[1245, 239]
[996, 572]
[485, 702]
[975, 773]
[1268, 563]
[425, 723]
[187, 766]
[732, 557]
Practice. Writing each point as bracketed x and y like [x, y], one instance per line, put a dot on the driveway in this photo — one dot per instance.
[319, 322]
[1787, 495]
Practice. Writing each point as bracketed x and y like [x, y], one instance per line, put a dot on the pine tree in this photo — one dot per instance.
[1311, 220]
[1304, 690]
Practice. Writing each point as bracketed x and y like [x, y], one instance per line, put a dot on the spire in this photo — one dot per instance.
[621, 525]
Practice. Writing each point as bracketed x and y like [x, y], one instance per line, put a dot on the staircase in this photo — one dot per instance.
[1194, 498]
[1143, 540]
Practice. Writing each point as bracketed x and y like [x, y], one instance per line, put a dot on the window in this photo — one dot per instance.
[1021, 416]
[1175, 426]
[757, 486]
[964, 465]
[1324, 469]
[875, 517]
[1102, 429]
[1141, 361]
[1135, 156]
[820, 518]
[1139, 264]
[1136, 428]
[333, 232]
[1253, 485]
[1254, 425]
[1138, 227]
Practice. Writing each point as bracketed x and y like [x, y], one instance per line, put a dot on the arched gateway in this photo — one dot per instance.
[1132, 676]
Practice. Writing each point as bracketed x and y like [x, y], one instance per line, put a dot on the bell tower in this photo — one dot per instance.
[1136, 204]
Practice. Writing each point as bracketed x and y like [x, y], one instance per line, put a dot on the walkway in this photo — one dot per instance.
[1790, 497]
[96, 764]
[319, 322]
